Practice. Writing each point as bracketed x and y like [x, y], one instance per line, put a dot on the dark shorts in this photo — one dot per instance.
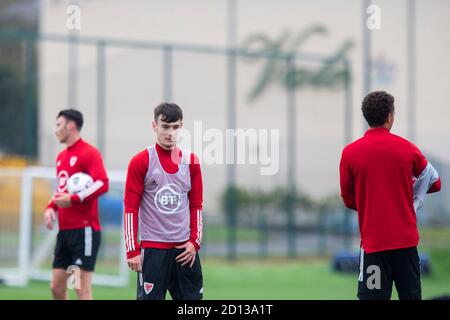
[160, 272]
[378, 270]
[77, 247]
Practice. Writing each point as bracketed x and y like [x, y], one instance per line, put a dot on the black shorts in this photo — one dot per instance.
[77, 247]
[160, 272]
[378, 270]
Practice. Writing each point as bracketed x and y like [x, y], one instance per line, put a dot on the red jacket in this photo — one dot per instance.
[376, 178]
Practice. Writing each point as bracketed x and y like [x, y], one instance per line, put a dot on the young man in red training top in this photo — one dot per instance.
[377, 174]
[78, 238]
[163, 199]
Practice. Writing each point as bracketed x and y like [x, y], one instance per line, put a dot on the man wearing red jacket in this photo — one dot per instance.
[163, 200]
[377, 174]
[78, 238]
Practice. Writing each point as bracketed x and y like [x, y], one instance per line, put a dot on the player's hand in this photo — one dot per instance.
[62, 200]
[49, 217]
[188, 256]
[135, 263]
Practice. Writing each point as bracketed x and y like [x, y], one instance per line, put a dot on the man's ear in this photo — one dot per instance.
[70, 125]
[154, 126]
[390, 120]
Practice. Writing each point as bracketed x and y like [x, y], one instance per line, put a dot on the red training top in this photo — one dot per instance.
[83, 212]
[376, 178]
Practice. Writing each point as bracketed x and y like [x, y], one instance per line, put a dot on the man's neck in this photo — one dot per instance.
[72, 140]
[384, 126]
[165, 148]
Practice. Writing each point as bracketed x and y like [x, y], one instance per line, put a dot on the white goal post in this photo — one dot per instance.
[31, 247]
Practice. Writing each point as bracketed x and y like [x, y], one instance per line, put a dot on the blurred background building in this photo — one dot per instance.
[298, 66]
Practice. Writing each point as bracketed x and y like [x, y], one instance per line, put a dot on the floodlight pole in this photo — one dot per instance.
[231, 205]
[411, 58]
[367, 48]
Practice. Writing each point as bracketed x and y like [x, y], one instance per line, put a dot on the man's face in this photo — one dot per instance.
[62, 131]
[167, 132]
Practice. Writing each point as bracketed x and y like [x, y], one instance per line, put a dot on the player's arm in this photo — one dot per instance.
[422, 168]
[195, 196]
[347, 183]
[51, 205]
[435, 186]
[134, 190]
[50, 212]
[96, 169]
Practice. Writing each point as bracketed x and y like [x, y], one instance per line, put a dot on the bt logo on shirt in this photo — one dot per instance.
[168, 199]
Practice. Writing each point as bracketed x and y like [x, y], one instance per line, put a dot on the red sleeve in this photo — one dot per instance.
[134, 189]
[435, 187]
[347, 183]
[419, 161]
[195, 196]
[97, 171]
[51, 204]
[419, 164]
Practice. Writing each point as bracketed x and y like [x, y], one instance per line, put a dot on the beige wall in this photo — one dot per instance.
[134, 78]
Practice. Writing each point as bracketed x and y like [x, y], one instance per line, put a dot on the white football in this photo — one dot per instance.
[79, 182]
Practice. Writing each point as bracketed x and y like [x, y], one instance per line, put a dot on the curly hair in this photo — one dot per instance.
[376, 107]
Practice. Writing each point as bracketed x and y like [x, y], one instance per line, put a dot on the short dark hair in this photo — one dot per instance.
[72, 115]
[170, 112]
[376, 107]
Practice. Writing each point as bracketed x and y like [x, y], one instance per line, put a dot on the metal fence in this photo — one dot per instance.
[230, 230]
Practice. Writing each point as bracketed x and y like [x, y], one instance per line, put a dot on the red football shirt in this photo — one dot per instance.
[83, 212]
[376, 178]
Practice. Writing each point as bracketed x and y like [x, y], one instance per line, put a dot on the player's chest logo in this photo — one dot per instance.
[168, 198]
[63, 177]
[58, 163]
[73, 160]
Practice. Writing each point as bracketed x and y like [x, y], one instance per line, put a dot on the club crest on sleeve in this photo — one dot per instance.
[148, 287]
